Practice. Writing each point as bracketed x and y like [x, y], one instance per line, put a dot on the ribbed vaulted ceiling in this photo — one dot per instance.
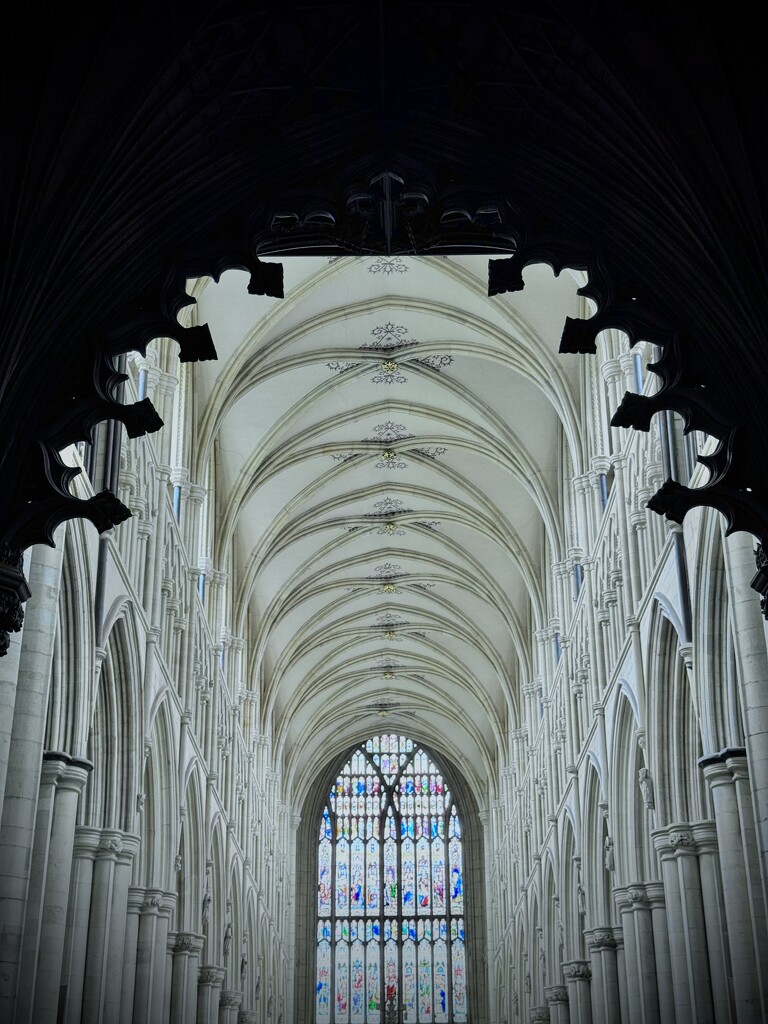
[387, 442]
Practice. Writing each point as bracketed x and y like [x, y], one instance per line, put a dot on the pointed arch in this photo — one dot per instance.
[318, 811]
[628, 827]
[191, 882]
[114, 737]
[680, 793]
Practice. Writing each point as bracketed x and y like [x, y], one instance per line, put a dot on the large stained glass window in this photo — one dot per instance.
[390, 893]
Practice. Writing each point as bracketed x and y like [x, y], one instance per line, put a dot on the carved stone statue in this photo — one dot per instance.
[243, 966]
[206, 906]
[608, 857]
[646, 787]
[227, 939]
[559, 925]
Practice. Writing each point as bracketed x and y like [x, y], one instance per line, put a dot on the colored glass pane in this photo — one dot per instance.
[389, 857]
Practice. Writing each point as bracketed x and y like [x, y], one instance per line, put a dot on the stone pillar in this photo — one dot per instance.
[97, 979]
[752, 660]
[66, 776]
[656, 897]
[151, 951]
[639, 955]
[133, 914]
[186, 957]
[578, 974]
[229, 1004]
[118, 921]
[689, 959]
[210, 979]
[25, 751]
[9, 672]
[621, 970]
[747, 966]
[557, 1001]
[606, 1006]
[73, 976]
[705, 834]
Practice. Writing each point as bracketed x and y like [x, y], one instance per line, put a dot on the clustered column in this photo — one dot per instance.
[578, 974]
[687, 932]
[61, 782]
[726, 773]
[606, 1004]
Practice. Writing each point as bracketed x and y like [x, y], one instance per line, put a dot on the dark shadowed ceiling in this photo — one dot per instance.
[145, 146]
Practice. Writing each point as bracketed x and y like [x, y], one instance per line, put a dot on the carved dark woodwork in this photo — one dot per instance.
[148, 148]
[760, 579]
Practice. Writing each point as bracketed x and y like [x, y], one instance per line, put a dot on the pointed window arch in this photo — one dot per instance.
[390, 892]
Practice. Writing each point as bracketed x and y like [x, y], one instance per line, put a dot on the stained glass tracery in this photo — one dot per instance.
[390, 892]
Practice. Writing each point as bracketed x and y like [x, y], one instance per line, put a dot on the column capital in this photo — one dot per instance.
[600, 938]
[87, 841]
[556, 994]
[721, 756]
[188, 942]
[656, 895]
[610, 371]
[631, 897]
[230, 999]
[210, 974]
[539, 1015]
[110, 844]
[581, 484]
[577, 970]
[705, 834]
[674, 840]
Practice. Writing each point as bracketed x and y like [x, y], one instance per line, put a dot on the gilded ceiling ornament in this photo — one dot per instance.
[390, 460]
[389, 373]
[391, 530]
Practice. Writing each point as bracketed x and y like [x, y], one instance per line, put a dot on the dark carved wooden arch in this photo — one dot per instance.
[146, 149]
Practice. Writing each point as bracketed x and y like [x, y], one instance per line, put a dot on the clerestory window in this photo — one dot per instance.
[390, 892]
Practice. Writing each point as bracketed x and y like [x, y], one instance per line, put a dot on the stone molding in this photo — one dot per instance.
[687, 838]
[210, 974]
[556, 994]
[230, 999]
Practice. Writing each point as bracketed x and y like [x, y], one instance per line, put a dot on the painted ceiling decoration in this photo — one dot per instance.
[625, 142]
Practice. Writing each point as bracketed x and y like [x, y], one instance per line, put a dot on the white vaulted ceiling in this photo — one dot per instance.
[388, 442]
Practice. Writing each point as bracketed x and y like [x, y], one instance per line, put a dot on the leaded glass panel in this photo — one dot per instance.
[390, 891]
